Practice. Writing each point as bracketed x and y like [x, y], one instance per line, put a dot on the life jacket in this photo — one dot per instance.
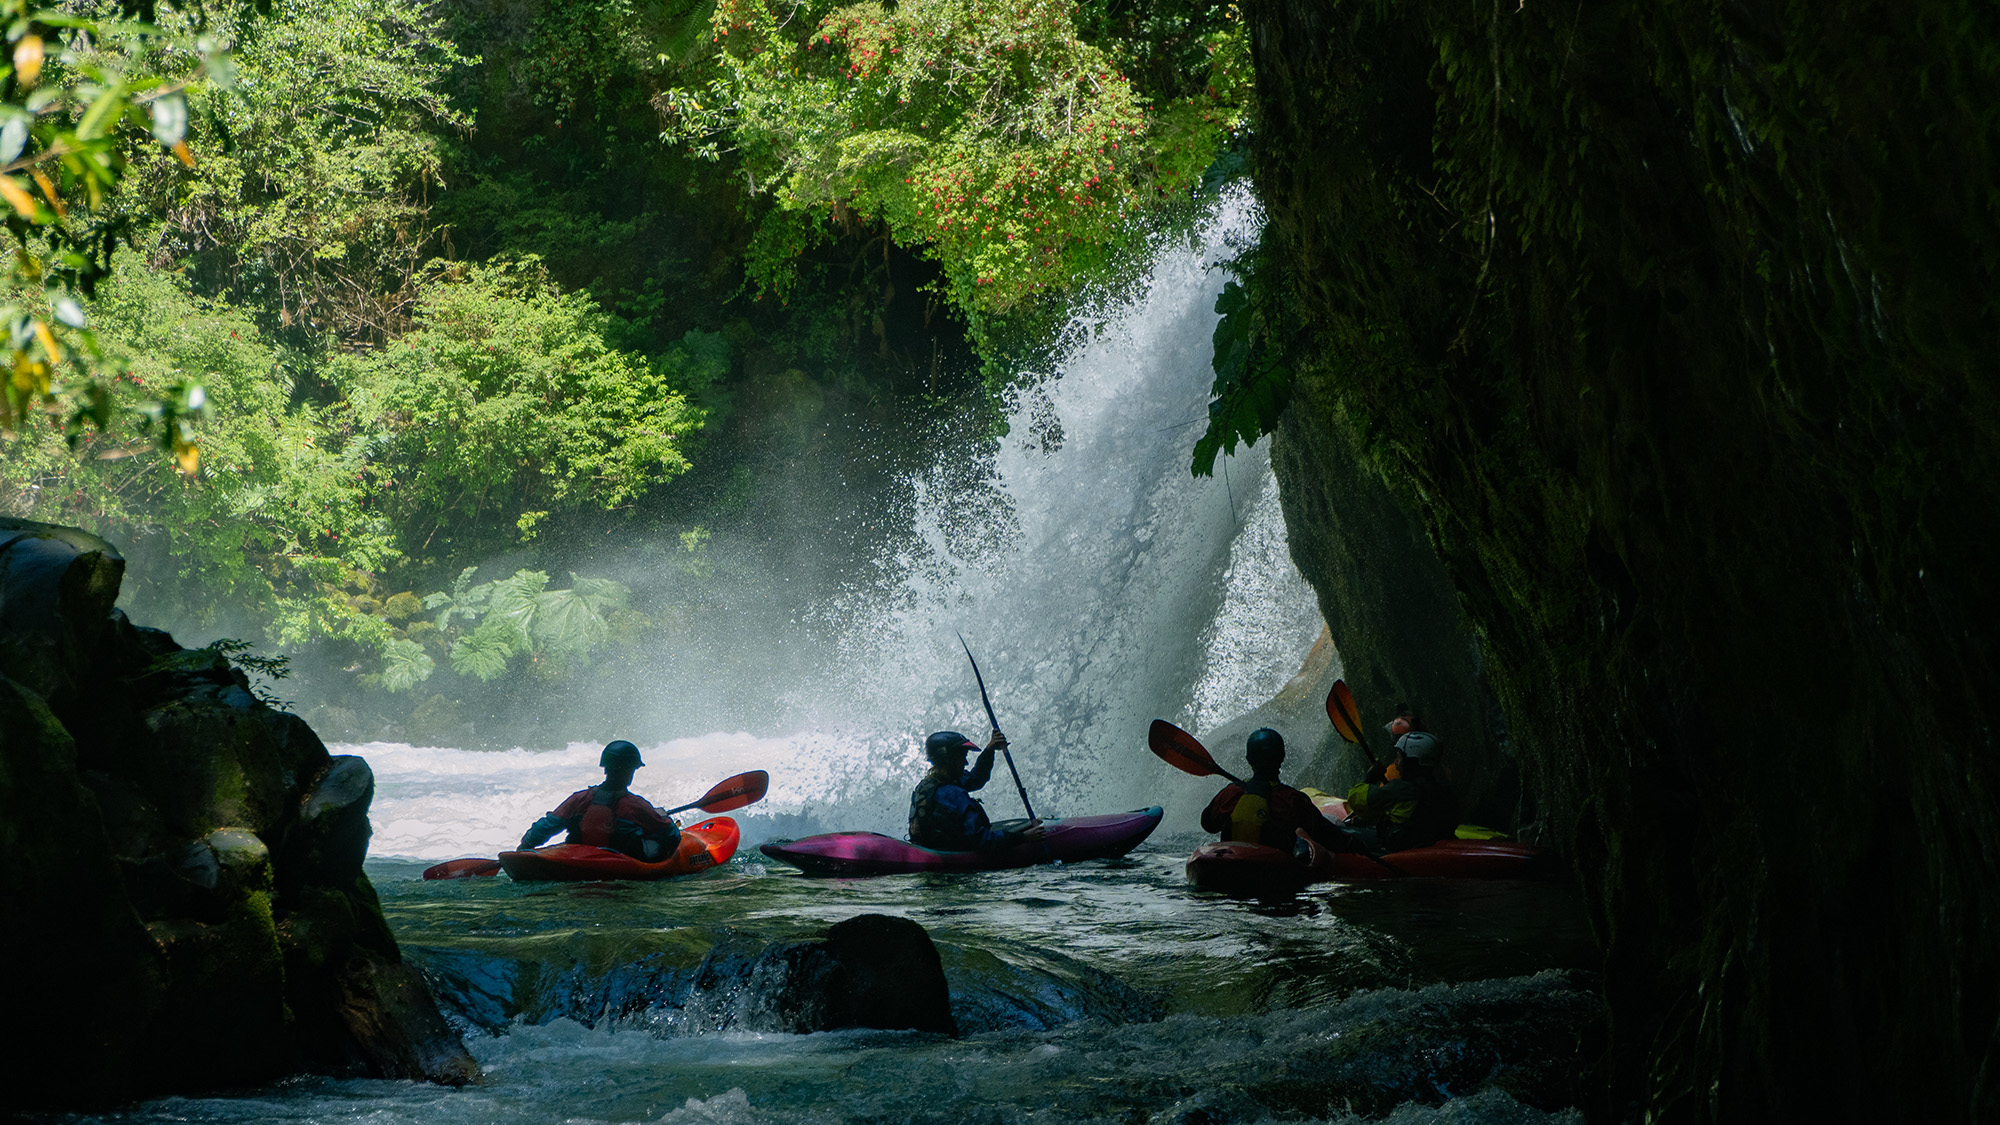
[1248, 818]
[933, 824]
[599, 821]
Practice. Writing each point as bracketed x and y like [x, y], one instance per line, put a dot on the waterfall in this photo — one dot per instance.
[1099, 584]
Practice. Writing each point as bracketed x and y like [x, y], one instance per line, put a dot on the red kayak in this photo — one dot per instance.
[1255, 868]
[703, 846]
[871, 853]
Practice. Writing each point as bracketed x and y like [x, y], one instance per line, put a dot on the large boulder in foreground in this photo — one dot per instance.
[872, 970]
[182, 876]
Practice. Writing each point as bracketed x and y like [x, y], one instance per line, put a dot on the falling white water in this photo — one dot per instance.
[1099, 584]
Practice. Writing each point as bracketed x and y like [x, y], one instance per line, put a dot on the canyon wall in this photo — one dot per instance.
[1670, 329]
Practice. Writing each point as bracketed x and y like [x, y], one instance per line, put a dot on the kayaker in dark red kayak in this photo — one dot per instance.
[944, 814]
[611, 815]
[1413, 806]
[1264, 810]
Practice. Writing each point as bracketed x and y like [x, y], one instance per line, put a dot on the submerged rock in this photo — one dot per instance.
[185, 901]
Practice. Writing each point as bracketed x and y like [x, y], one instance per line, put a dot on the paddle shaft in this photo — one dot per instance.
[990, 717]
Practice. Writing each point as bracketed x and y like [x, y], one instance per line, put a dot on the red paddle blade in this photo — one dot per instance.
[463, 869]
[1340, 708]
[1180, 749]
[736, 792]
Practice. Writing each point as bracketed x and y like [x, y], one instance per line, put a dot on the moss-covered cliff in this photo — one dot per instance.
[184, 900]
[1673, 325]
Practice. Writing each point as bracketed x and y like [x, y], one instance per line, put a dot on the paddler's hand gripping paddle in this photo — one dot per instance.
[1008, 754]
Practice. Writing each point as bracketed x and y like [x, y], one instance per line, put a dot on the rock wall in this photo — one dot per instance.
[184, 897]
[1671, 327]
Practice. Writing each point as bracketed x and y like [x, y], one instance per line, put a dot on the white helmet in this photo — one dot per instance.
[1421, 746]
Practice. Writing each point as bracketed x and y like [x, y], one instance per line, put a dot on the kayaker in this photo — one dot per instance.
[1264, 810]
[943, 813]
[1413, 807]
[611, 815]
[1406, 720]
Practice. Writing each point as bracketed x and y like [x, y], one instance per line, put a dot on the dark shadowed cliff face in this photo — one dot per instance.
[183, 896]
[1674, 327]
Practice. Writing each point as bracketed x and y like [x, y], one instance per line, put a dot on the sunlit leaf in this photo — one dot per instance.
[170, 117]
[484, 652]
[28, 59]
[13, 137]
[405, 664]
[18, 198]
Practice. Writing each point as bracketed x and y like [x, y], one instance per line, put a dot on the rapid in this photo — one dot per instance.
[1101, 586]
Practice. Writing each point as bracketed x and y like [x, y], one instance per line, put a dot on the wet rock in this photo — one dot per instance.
[872, 970]
[392, 1019]
[57, 586]
[184, 897]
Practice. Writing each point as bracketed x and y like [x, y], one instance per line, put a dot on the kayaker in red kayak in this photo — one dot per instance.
[1413, 806]
[611, 815]
[943, 813]
[1264, 810]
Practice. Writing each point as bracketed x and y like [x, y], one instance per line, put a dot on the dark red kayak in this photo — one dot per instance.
[1255, 868]
[871, 853]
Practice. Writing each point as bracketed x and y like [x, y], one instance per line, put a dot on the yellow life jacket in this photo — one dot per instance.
[1247, 819]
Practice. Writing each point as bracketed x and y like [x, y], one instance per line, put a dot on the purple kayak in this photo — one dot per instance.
[871, 853]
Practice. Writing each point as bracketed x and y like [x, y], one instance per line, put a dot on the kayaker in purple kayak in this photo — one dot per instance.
[943, 813]
[611, 815]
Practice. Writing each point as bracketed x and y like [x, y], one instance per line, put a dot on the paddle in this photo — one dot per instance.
[731, 793]
[1008, 754]
[1185, 753]
[1345, 715]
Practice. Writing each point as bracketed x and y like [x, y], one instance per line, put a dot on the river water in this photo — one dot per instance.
[1102, 587]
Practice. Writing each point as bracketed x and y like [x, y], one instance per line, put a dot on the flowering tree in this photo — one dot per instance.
[986, 132]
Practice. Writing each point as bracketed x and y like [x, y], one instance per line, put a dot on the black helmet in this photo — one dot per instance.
[1264, 747]
[620, 753]
[945, 742]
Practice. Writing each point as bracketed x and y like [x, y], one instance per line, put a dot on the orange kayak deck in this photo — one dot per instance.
[708, 844]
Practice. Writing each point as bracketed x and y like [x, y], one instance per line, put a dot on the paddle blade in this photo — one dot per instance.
[1340, 708]
[463, 869]
[1180, 750]
[736, 792]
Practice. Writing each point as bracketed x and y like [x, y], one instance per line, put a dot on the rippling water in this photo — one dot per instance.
[1107, 991]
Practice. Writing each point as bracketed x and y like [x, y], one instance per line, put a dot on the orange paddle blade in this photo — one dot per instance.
[1181, 750]
[736, 792]
[1340, 708]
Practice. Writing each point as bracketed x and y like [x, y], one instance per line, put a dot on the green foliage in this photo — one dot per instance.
[1253, 372]
[520, 616]
[265, 671]
[508, 399]
[312, 198]
[992, 135]
[77, 97]
[277, 521]
[405, 664]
